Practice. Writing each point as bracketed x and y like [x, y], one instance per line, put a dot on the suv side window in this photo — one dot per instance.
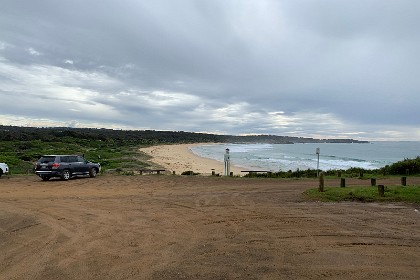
[73, 159]
[80, 159]
[69, 159]
[65, 159]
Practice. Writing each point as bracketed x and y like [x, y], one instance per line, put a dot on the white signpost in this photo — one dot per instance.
[318, 150]
[227, 163]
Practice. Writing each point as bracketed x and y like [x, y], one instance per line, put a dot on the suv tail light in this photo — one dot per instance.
[55, 165]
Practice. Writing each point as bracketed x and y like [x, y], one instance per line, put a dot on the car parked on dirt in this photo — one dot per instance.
[65, 167]
[4, 168]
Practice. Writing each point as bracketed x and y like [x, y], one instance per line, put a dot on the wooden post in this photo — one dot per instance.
[381, 190]
[404, 181]
[321, 182]
[373, 182]
[343, 182]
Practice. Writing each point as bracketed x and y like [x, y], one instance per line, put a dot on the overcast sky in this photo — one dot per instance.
[314, 68]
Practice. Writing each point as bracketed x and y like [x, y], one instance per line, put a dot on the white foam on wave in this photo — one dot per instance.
[246, 148]
[339, 164]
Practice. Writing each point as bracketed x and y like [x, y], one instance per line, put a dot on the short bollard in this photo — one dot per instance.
[173, 172]
[381, 190]
[403, 181]
[231, 174]
[321, 182]
[343, 182]
[213, 173]
[373, 182]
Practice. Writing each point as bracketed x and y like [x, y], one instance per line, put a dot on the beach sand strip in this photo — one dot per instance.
[180, 158]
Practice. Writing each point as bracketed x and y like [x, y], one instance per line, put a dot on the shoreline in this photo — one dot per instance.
[180, 158]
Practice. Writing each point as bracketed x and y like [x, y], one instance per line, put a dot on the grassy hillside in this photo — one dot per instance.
[22, 155]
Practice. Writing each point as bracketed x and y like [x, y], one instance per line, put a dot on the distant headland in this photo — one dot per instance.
[149, 137]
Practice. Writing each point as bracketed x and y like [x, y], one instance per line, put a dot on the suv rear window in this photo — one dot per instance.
[46, 159]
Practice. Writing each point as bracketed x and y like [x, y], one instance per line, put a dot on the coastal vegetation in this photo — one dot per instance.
[405, 167]
[147, 137]
[112, 155]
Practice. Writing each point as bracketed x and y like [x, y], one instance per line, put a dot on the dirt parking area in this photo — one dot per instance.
[176, 227]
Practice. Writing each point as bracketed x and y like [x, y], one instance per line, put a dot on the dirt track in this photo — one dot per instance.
[173, 227]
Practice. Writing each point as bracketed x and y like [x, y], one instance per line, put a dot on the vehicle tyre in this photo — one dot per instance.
[1, 172]
[45, 178]
[65, 175]
[92, 172]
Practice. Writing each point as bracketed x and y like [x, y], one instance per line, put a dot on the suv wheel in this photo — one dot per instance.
[65, 175]
[92, 172]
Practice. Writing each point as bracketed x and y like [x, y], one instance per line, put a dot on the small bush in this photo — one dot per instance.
[189, 172]
[127, 173]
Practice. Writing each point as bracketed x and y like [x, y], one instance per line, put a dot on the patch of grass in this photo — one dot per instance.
[366, 194]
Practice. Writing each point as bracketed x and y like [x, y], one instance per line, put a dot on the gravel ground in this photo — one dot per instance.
[177, 227]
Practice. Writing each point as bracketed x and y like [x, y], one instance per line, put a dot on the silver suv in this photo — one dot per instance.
[65, 167]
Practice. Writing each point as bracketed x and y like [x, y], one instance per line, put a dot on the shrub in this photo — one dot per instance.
[189, 172]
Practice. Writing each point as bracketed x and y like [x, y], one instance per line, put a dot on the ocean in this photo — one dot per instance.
[284, 157]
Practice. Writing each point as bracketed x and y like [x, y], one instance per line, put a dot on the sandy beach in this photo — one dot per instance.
[180, 158]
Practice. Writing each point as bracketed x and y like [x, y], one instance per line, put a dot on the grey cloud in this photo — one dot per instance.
[353, 62]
